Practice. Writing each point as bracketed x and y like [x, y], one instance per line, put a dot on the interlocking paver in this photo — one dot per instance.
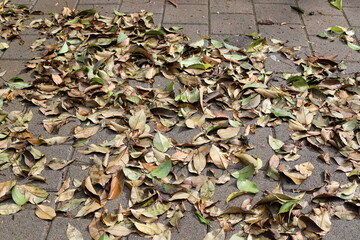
[351, 3]
[278, 13]
[328, 48]
[316, 24]
[232, 23]
[60, 224]
[195, 14]
[103, 9]
[15, 68]
[293, 33]
[23, 225]
[231, 6]
[352, 15]
[193, 31]
[275, 1]
[204, 2]
[100, 1]
[318, 7]
[240, 41]
[136, 6]
[47, 6]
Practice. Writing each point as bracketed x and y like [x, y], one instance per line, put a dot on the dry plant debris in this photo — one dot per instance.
[225, 92]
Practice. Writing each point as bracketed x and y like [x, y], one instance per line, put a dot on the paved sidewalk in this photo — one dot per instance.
[220, 19]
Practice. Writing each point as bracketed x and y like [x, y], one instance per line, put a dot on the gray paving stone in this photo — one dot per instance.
[194, 14]
[103, 9]
[295, 34]
[99, 1]
[232, 23]
[28, 3]
[240, 41]
[223, 191]
[23, 225]
[189, 227]
[352, 67]
[275, 1]
[327, 48]
[15, 68]
[352, 15]
[138, 5]
[282, 132]
[278, 13]
[204, 2]
[260, 141]
[193, 31]
[20, 49]
[318, 7]
[231, 6]
[350, 3]
[316, 24]
[59, 225]
[182, 134]
[342, 229]
[47, 6]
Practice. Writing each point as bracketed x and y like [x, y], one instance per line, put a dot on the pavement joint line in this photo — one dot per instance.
[163, 14]
[232, 13]
[305, 29]
[209, 17]
[256, 20]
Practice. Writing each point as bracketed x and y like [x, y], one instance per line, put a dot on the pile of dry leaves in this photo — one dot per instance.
[224, 92]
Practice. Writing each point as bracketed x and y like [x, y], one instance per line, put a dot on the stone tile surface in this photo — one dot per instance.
[103, 9]
[318, 7]
[195, 14]
[231, 6]
[59, 225]
[47, 6]
[138, 5]
[293, 33]
[352, 14]
[232, 23]
[319, 23]
[278, 13]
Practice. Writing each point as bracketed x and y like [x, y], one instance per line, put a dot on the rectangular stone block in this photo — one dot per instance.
[103, 9]
[47, 6]
[318, 7]
[137, 6]
[15, 68]
[275, 1]
[99, 2]
[193, 31]
[193, 14]
[293, 33]
[231, 6]
[352, 15]
[59, 225]
[232, 23]
[240, 41]
[351, 3]
[278, 13]
[204, 2]
[335, 48]
[316, 24]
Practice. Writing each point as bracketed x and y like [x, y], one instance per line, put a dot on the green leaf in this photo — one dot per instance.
[255, 44]
[3, 45]
[323, 35]
[8, 209]
[163, 170]
[275, 144]
[64, 48]
[216, 44]
[97, 80]
[353, 46]
[121, 37]
[244, 173]
[161, 142]
[337, 4]
[18, 83]
[247, 186]
[230, 47]
[235, 57]
[299, 10]
[190, 61]
[104, 237]
[233, 195]
[201, 218]
[176, 28]
[337, 29]
[155, 32]
[18, 197]
[202, 66]
[278, 112]
[287, 206]
[254, 85]
[71, 204]
[234, 123]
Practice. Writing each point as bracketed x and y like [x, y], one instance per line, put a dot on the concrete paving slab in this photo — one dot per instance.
[23, 225]
[328, 48]
[278, 13]
[275, 1]
[232, 23]
[100, 2]
[278, 63]
[182, 134]
[20, 49]
[193, 31]
[59, 225]
[352, 15]
[15, 68]
[28, 3]
[193, 14]
[202, 2]
[136, 6]
[103, 9]
[316, 24]
[351, 3]
[293, 33]
[260, 141]
[231, 6]
[318, 7]
[189, 227]
[240, 41]
[47, 6]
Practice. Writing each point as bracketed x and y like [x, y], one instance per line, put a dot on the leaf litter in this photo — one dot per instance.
[226, 93]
